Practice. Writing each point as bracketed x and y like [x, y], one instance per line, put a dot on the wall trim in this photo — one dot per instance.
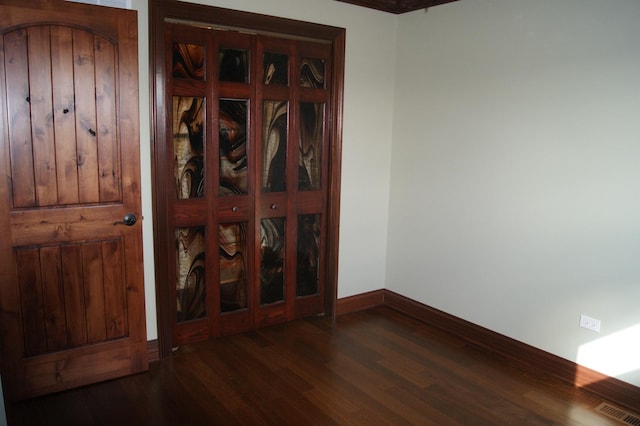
[153, 350]
[360, 302]
[609, 388]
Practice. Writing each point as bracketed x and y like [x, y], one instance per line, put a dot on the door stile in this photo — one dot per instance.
[128, 119]
[212, 128]
[10, 313]
[292, 170]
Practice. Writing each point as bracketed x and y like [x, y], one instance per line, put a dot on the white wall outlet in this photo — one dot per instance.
[590, 323]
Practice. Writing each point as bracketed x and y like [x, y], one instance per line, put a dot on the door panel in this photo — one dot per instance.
[72, 300]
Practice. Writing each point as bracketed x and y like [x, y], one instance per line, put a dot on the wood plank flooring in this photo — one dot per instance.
[376, 367]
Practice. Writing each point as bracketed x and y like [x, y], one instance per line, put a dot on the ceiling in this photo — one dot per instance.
[397, 6]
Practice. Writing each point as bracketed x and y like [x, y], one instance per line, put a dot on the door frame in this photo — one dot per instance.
[162, 11]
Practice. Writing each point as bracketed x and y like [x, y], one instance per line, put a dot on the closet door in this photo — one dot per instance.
[233, 166]
[292, 93]
[248, 179]
[188, 183]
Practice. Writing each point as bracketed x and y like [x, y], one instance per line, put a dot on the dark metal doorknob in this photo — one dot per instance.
[129, 219]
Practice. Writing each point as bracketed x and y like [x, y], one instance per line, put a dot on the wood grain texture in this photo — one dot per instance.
[18, 129]
[72, 305]
[40, 89]
[86, 121]
[53, 295]
[376, 366]
[64, 114]
[519, 353]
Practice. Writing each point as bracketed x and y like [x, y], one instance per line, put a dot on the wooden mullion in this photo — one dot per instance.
[212, 165]
[258, 165]
[253, 154]
[292, 182]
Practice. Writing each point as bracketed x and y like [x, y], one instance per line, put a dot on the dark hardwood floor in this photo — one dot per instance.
[376, 367]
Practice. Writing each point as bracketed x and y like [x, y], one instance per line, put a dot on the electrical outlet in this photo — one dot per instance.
[590, 323]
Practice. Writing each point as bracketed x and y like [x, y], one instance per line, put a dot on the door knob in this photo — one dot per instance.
[129, 219]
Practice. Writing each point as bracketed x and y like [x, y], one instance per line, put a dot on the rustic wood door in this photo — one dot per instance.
[71, 284]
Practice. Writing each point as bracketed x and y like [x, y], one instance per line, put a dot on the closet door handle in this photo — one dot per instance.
[274, 207]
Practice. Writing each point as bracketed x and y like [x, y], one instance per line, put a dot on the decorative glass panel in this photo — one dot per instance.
[274, 145]
[233, 147]
[233, 266]
[190, 273]
[276, 69]
[310, 144]
[188, 146]
[234, 65]
[312, 73]
[308, 271]
[188, 61]
[272, 251]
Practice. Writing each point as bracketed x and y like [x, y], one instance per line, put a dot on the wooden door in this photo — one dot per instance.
[71, 284]
[246, 153]
[247, 156]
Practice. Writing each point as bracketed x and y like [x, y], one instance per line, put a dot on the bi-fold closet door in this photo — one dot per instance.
[247, 172]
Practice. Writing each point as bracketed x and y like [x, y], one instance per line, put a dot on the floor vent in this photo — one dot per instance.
[618, 414]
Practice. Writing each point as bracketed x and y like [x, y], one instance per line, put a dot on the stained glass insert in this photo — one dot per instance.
[274, 145]
[188, 146]
[188, 61]
[233, 266]
[310, 146]
[233, 147]
[190, 273]
[234, 65]
[276, 69]
[312, 73]
[308, 249]
[272, 253]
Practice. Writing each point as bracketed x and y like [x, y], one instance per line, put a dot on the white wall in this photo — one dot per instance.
[368, 115]
[514, 174]
[515, 183]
